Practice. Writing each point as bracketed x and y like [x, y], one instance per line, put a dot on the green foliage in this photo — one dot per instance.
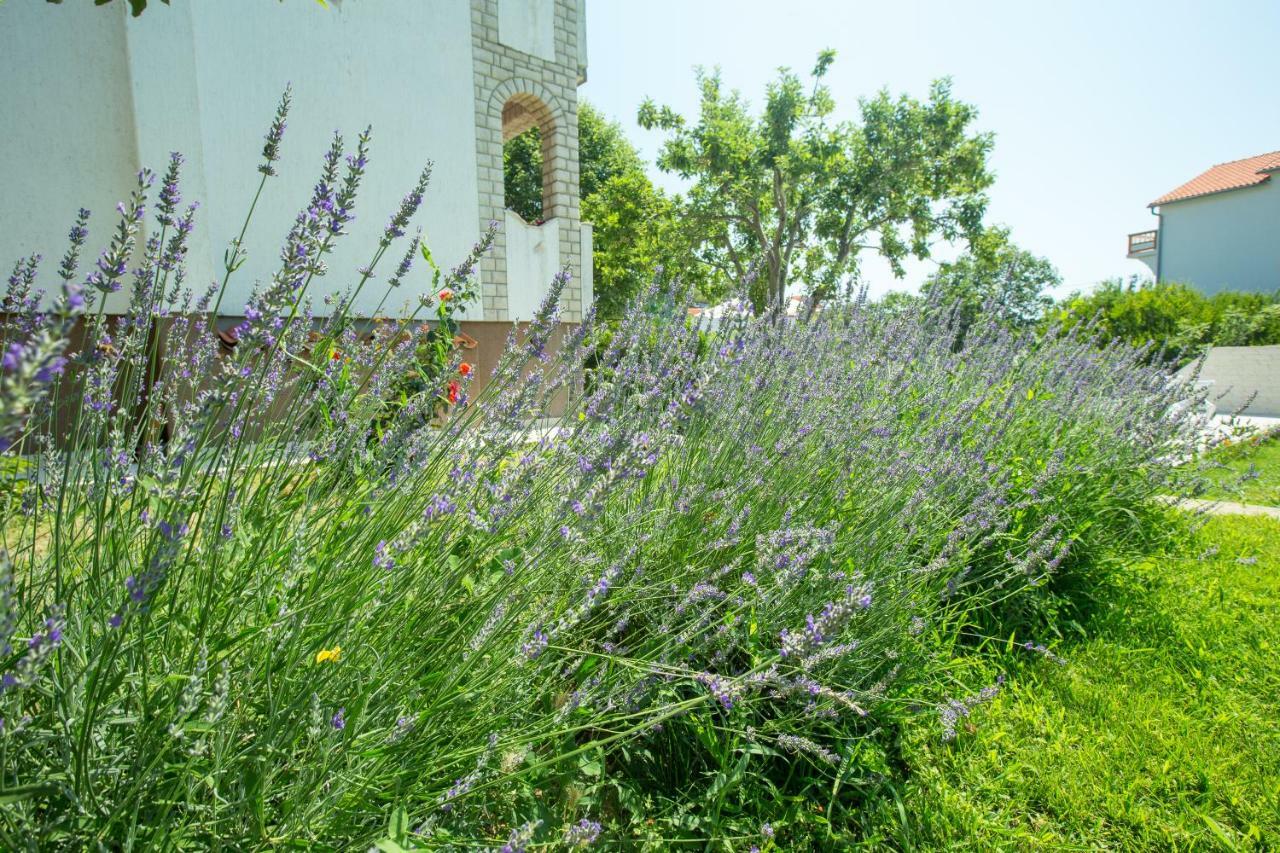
[995, 277]
[1159, 732]
[796, 193]
[1176, 318]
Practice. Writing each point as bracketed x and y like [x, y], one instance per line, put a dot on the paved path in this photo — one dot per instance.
[1224, 507]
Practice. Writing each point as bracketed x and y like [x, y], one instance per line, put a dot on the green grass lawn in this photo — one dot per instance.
[1244, 457]
[1162, 730]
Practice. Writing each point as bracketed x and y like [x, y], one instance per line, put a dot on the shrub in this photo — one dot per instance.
[1175, 318]
[237, 620]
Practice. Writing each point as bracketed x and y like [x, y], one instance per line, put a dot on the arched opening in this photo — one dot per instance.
[527, 134]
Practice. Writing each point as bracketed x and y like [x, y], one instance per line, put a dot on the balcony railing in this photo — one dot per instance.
[1142, 242]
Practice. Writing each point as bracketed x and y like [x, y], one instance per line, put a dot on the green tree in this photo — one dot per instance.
[997, 277]
[793, 192]
[636, 233]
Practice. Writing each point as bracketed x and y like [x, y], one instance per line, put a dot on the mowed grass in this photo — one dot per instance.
[1249, 472]
[1162, 730]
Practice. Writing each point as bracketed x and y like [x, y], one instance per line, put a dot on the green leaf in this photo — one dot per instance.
[25, 792]
[1216, 829]
[398, 824]
[387, 845]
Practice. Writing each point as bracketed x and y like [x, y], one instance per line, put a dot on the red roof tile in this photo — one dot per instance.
[1235, 175]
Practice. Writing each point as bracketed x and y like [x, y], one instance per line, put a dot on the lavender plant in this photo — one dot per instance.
[237, 619]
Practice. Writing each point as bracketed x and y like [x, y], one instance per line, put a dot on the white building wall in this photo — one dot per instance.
[90, 95]
[528, 26]
[68, 139]
[1226, 241]
[538, 250]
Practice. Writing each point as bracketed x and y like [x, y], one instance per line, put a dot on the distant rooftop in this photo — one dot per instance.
[1235, 175]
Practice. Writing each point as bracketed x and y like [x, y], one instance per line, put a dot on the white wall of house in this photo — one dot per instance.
[69, 139]
[1225, 241]
[90, 95]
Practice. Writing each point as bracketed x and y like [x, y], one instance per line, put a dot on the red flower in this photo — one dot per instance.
[454, 390]
[464, 369]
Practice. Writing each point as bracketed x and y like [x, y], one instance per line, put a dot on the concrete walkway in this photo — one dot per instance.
[1223, 507]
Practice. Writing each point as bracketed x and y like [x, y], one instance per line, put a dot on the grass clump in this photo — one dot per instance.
[268, 598]
[1159, 732]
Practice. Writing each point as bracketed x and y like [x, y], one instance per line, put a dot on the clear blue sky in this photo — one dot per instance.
[1097, 107]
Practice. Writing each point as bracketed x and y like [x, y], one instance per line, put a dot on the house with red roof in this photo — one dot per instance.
[1218, 231]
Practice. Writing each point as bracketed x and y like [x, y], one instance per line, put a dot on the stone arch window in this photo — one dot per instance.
[526, 256]
[529, 132]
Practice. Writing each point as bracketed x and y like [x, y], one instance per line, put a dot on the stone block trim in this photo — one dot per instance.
[513, 92]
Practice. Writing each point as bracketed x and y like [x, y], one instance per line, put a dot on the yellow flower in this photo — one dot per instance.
[329, 655]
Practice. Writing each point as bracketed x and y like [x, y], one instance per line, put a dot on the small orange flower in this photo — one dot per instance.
[445, 294]
[454, 390]
[464, 369]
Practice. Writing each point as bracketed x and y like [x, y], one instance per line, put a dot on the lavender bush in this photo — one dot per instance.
[254, 598]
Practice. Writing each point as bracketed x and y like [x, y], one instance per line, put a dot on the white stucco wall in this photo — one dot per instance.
[528, 26]
[66, 106]
[1227, 241]
[533, 259]
[90, 95]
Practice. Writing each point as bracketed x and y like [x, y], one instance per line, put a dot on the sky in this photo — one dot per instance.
[1097, 107]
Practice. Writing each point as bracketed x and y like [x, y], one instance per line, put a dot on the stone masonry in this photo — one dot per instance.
[514, 91]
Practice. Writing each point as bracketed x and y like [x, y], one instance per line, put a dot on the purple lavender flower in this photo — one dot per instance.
[271, 149]
[381, 559]
[582, 834]
[521, 837]
[170, 195]
[71, 260]
[408, 207]
[535, 645]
